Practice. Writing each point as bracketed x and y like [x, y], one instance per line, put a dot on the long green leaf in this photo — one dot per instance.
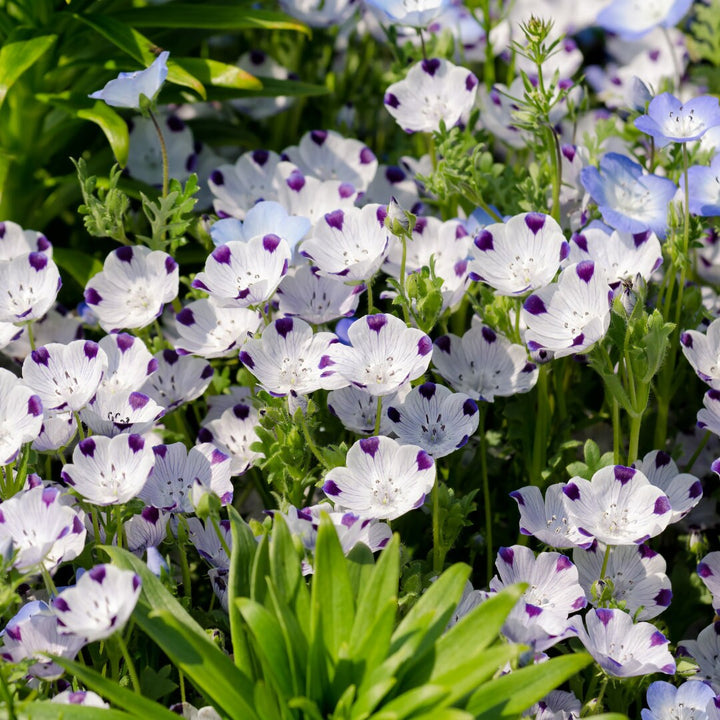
[142, 49]
[418, 700]
[80, 266]
[109, 121]
[210, 17]
[46, 710]
[202, 662]
[270, 646]
[332, 606]
[17, 56]
[219, 74]
[466, 640]
[136, 705]
[512, 694]
[154, 595]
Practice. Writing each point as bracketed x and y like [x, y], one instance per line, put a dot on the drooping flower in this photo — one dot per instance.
[109, 471]
[127, 89]
[381, 479]
[629, 200]
[623, 648]
[384, 354]
[668, 119]
[435, 418]
[520, 255]
[618, 506]
[133, 287]
[434, 90]
[484, 364]
[637, 573]
[65, 376]
[571, 315]
[99, 604]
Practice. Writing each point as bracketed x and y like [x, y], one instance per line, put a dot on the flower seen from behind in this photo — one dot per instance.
[128, 88]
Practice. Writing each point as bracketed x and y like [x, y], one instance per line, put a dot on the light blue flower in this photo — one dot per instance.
[634, 18]
[629, 200]
[704, 189]
[670, 120]
[127, 89]
[667, 702]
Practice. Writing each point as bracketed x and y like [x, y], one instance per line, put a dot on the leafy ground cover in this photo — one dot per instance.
[359, 360]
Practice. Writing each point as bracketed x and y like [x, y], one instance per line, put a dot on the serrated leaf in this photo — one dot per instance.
[16, 56]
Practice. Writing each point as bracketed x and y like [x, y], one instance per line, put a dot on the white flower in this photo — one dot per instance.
[99, 604]
[21, 416]
[434, 90]
[382, 479]
[30, 285]
[132, 288]
[65, 376]
[234, 432]
[520, 255]
[109, 471]
[127, 88]
[435, 418]
[178, 379]
[385, 354]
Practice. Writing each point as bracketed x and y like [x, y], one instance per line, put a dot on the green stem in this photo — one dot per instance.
[8, 696]
[163, 152]
[220, 535]
[95, 524]
[539, 454]
[129, 664]
[401, 279]
[437, 546]
[422, 43]
[368, 287]
[184, 566]
[47, 579]
[31, 337]
[603, 569]
[697, 452]
[378, 416]
[119, 525]
[81, 432]
[556, 159]
[617, 431]
[432, 150]
[313, 447]
[489, 556]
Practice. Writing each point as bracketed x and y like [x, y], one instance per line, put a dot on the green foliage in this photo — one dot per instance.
[170, 216]
[705, 33]
[594, 461]
[335, 649]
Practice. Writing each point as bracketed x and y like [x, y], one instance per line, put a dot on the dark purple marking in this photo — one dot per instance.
[241, 411]
[662, 506]
[346, 190]
[585, 270]
[34, 406]
[470, 407]
[90, 349]
[246, 360]
[376, 322]
[38, 261]
[430, 66]
[489, 335]
[484, 241]
[160, 450]
[534, 305]
[427, 390]
[443, 343]
[391, 100]
[394, 174]
[424, 461]
[136, 443]
[175, 124]
[370, 445]
[393, 414]
[185, 317]
[87, 447]
[270, 242]
[695, 490]
[516, 495]
[563, 563]
[150, 514]
[535, 222]
[125, 254]
[217, 178]
[663, 597]
[170, 357]
[296, 181]
[572, 491]
[170, 265]
[507, 554]
[98, 573]
[283, 326]
[623, 474]
[657, 638]
[41, 356]
[604, 615]
[533, 610]
[470, 82]
[137, 400]
[260, 157]
[207, 372]
[367, 156]
[330, 488]
[335, 219]
[221, 255]
[424, 346]
[318, 136]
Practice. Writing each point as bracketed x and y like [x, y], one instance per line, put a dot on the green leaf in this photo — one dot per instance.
[202, 662]
[332, 607]
[270, 647]
[154, 595]
[17, 56]
[135, 704]
[219, 74]
[241, 559]
[78, 265]
[512, 694]
[84, 108]
[419, 699]
[210, 17]
[46, 710]
[142, 49]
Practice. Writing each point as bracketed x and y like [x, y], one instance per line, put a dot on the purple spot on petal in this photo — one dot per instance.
[604, 615]
[572, 491]
[532, 610]
[424, 461]
[427, 390]
[686, 339]
[185, 317]
[318, 136]
[489, 335]
[87, 447]
[470, 407]
[221, 255]
[430, 66]
[393, 414]
[391, 100]
[283, 326]
[424, 345]
[98, 573]
[137, 400]
[376, 322]
[366, 156]
[38, 261]
[695, 490]
[270, 243]
[295, 181]
[136, 442]
[535, 222]
[585, 270]
[92, 296]
[443, 343]
[330, 488]
[260, 157]
[217, 178]
[662, 505]
[534, 305]
[484, 241]
[563, 563]
[517, 496]
[657, 638]
[34, 406]
[507, 554]
[663, 597]
[170, 265]
[623, 474]
[246, 360]
[470, 82]
[90, 349]
[370, 445]
[335, 219]
[125, 254]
